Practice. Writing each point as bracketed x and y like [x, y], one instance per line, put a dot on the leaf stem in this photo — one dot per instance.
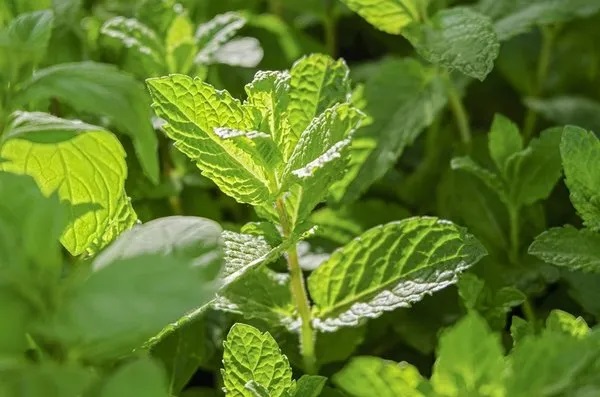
[299, 295]
[513, 215]
[548, 35]
[276, 7]
[329, 24]
[460, 114]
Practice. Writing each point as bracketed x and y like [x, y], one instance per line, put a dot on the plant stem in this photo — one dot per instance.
[299, 295]
[513, 214]
[542, 73]
[529, 312]
[460, 115]
[329, 24]
[276, 7]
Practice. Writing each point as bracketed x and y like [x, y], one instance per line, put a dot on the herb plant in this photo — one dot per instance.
[299, 198]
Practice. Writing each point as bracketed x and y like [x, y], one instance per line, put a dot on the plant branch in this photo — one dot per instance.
[299, 295]
[329, 25]
[548, 35]
[513, 215]
[460, 114]
[276, 7]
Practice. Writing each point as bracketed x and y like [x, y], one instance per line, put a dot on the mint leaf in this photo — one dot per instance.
[504, 141]
[103, 90]
[310, 386]
[391, 16]
[211, 35]
[317, 82]
[107, 316]
[457, 38]
[369, 376]
[580, 151]
[250, 355]
[462, 368]
[568, 247]
[561, 321]
[140, 377]
[403, 97]
[389, 266]
[564, 110]
[489, 178]
[199, 119]
[68, 157]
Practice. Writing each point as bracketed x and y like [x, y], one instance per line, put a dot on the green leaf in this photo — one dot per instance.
[24, 42]
[524, 15]
[142, 377]
[504, 141]
[245, 52]
[310, 386]
[180, 44]
[457, 38]
[317, 82]
[48, 379]
[107, 316]
[533, 172]
[70, 157]
[250, 355]
[580, 152]
[185, 237]
[463, 368]
[389, 266]
[211, 35]
[373, 376]
[320, 157]
[201, 119]
[565, 110]
[133, 34]
[403, 97]
[391, 16]
[270, 300]
[489, 178]
[100, 89]
[568, 247]
[561, 321]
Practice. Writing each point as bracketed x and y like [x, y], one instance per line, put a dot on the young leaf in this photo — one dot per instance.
[123, 304]
[211, 35]
[250, 355]
[561, 321]
[370, 376]
[463, 368]
[580, 152]
[103, 90]
[142, 377]
[403, 97]
[568, 247]
[199, 119]
[391, 16]
[390, 266]
[310, 386]
[317, 82]
[564, 110]
[490, 179]
[69, 157]
[504, 141]
[458, 38]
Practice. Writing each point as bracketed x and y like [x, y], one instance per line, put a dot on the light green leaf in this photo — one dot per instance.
[245, 52]
[186, 237]
[250, 355]
[180, 44]
[387, 267]
[310, 386]
[257, 389]
[100, 89]
[270, 299]
[533, 172]
[568, 247]
[391, 16]
[199, 119]
[561, 321]
[133, 34]
[580, 152]
[317, 82]
[373, 376]
[211, 35]
[403, 97]
[67, 157]
[524, 15]
[122, 305]
[142, 377]
[504, 141]
[564, 110]
[465, 368]
[457, 38]
[47, 379]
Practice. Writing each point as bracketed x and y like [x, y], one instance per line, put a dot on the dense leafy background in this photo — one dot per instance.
[452, 110]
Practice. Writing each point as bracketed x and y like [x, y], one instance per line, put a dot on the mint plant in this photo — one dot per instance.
[279, 151]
